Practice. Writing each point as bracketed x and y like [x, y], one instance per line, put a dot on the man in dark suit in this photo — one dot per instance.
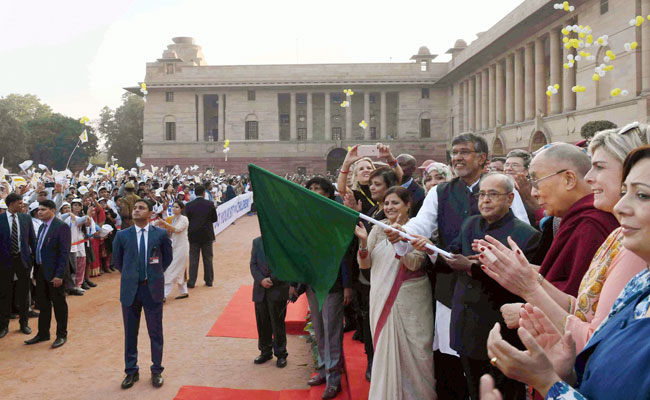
[270, 296]
[51, 255]
[200, 232]
[477, 299]
[408, 164]
[17, 242]
[142, 253]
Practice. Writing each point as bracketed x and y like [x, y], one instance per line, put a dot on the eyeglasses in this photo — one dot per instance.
[489, 195]
[494, 169]
[464, 153]
[512, 165]
[535, 182]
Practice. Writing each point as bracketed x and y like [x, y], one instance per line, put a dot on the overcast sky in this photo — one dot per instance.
[77, 55]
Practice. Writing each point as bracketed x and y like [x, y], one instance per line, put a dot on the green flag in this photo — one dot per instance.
[305, 234]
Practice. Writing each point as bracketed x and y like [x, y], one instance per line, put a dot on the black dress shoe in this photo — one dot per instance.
[37, 339]
[112, 268]
[190, 286]
[262, 358]
[157, 380]
[32, 314]
[282, 362]
[85, 286]
[13, 316]
[76, 292]
[3, 331]
[331, 392]
[60, 341]
[317, 380]
[25, 329]
[129, 380]
[208, 284]
[183, 296]
[90, 283]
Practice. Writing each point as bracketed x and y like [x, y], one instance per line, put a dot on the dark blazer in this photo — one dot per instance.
[27, 240]
[125, 256]
[230, 193]
[477, 299]
[260, 270]
[201, 214]
[55, 250]
[417, 197]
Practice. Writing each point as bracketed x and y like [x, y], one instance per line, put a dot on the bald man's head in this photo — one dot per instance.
[565, 156]
[408, 164]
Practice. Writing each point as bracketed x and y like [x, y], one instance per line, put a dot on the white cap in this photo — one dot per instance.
[33, 206]
[3, 205]
[83, 190]
[65, 203]
[77, 200]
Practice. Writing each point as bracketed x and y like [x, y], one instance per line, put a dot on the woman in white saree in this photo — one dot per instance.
[401, 311]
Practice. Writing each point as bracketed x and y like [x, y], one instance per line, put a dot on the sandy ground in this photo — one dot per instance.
[90, 365]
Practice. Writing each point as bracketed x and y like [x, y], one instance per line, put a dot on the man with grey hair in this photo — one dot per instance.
[477, 299]
[558, 183]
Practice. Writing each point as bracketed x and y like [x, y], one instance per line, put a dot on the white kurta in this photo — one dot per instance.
[175, 273]
[402, 366]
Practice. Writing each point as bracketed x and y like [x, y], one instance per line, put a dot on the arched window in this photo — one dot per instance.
[538, 141]
[497, 148]
[169, 128]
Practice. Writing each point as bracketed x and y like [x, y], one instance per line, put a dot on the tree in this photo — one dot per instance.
[52, 139]
[12, 136]
[25, 107]
[589, 129]
[122, 129]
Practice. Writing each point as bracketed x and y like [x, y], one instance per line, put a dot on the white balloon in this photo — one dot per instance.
[607, 59]
[601, 73]
[571, 8]
[632, 22]
[578, 58]
[624, 92]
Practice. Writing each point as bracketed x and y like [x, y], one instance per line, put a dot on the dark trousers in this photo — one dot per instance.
[474, 369]
[206, 252]
[450, 382]
[7, 289]
[364, 308]
[153, 313]
[47, 296]
[70, 272]
[271, 329]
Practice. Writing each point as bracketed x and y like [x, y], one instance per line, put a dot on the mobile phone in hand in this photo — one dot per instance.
[367, 150]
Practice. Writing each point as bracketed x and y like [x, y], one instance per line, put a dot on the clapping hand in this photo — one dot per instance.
[350, 202]
[361, 232]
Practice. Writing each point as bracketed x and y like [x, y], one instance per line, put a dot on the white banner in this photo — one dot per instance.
[228, 212]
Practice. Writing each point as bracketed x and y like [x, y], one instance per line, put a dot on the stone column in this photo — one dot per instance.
[382, 116]
[484, 100]
[348, 121]
[466, 106]
[540, 78]
[500, 95]
[556, 69]
[519, 85]
[568, 96]
[645, 48]
[472, 104]
[201, 119]
[221, 116]
[310, 117]
[510, 89]
[366, 115]
[492, 97]
[477, 102]
[292, 121]
[529, 84]
[328, 117]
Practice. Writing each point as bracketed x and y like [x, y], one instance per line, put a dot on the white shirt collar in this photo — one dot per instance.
[146, 228]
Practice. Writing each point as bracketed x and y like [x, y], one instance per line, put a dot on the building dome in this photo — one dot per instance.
[460, 43]
[424, 51]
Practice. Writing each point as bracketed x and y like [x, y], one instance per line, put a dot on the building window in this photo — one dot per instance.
[302, 133]
[604, 6]
[211, 135]
[301, 98]
[425, 128]
[336, 133]
[373, 132]
[423, 66]
[336, 98]
[169, 97]
[169, 69]
[251, 95]
[251, 130]
[425, 93]
[284, 119]
[372, 99]
[170, 131]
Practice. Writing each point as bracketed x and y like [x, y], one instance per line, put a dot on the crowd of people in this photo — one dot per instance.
[59, 231]
[544, 288]
[541, 286]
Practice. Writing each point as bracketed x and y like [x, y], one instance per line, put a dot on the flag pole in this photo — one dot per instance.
[70, 158]
[403, 234]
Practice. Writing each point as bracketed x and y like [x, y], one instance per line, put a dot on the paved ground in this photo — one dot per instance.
[91, 364]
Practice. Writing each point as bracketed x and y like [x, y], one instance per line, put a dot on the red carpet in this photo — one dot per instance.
[355, 367]
[238, 318]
